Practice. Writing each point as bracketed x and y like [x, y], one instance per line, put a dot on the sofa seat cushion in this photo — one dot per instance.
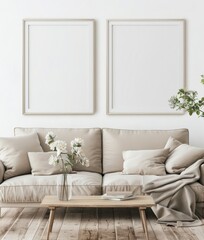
[32, 189]
[117, 181]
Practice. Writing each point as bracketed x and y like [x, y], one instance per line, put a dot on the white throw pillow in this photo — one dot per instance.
[145, 162]
[181, 156]
[14, 154]
[39, 162]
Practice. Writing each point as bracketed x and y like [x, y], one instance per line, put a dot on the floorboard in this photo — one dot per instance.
[106, 224]
[88, 224]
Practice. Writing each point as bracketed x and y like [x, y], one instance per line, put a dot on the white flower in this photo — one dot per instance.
[49, 138]
[77, 142]
[50, 134]
[53, 146]
[61, 146]
[77, 150]
[59, 152]
[63, 157]
[85, 161]
[53, 160]
[86, 164]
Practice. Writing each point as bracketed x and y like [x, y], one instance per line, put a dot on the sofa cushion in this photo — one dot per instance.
[145, 162]
[32, 189]
[182, 156]
[116, 141]
[172, 143]
[91, 137]
[39, 162]
[14, 153]
[118, 182]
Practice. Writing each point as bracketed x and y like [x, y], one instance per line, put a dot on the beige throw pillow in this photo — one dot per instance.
[181, 156]
[39, 162]
[14, 154]
[172, 143]
[145, 162]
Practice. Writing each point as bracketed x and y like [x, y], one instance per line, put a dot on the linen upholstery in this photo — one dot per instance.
[32, 189]
[119, 182]
[2, 170]
[39, 162]
[115, 141]
[145, 162]
[172, 143]
[91, 136]
[182, 157]
[13, 153]
[83, 183]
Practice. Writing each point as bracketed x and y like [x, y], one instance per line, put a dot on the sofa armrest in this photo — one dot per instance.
[201, 180]
[2, 170]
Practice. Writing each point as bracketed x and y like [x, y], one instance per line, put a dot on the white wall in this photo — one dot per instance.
[13, 11]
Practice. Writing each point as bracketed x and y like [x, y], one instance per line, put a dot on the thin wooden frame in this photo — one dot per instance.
[145, 65]
[58, 66]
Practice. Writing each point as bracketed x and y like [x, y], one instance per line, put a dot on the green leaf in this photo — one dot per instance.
[181, 90]
[198, 112]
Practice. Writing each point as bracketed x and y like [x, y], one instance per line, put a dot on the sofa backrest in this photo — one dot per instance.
[91, 136]
[115, 141]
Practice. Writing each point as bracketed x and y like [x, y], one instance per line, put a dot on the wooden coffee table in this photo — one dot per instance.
[140, 202]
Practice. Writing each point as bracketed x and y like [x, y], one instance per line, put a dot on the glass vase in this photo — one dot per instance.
[64, 187]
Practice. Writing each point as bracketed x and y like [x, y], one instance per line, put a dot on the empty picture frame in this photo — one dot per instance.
[145, 65]
[58, 66]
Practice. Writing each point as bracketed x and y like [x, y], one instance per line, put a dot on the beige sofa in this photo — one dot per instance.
[104, 149]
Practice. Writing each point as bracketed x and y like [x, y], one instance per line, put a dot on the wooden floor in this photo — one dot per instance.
[85, 224]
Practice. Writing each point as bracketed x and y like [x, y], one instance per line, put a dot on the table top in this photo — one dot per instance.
[98, 202]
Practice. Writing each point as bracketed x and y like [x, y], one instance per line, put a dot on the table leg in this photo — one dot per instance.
[144, 221]
[51, 220]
